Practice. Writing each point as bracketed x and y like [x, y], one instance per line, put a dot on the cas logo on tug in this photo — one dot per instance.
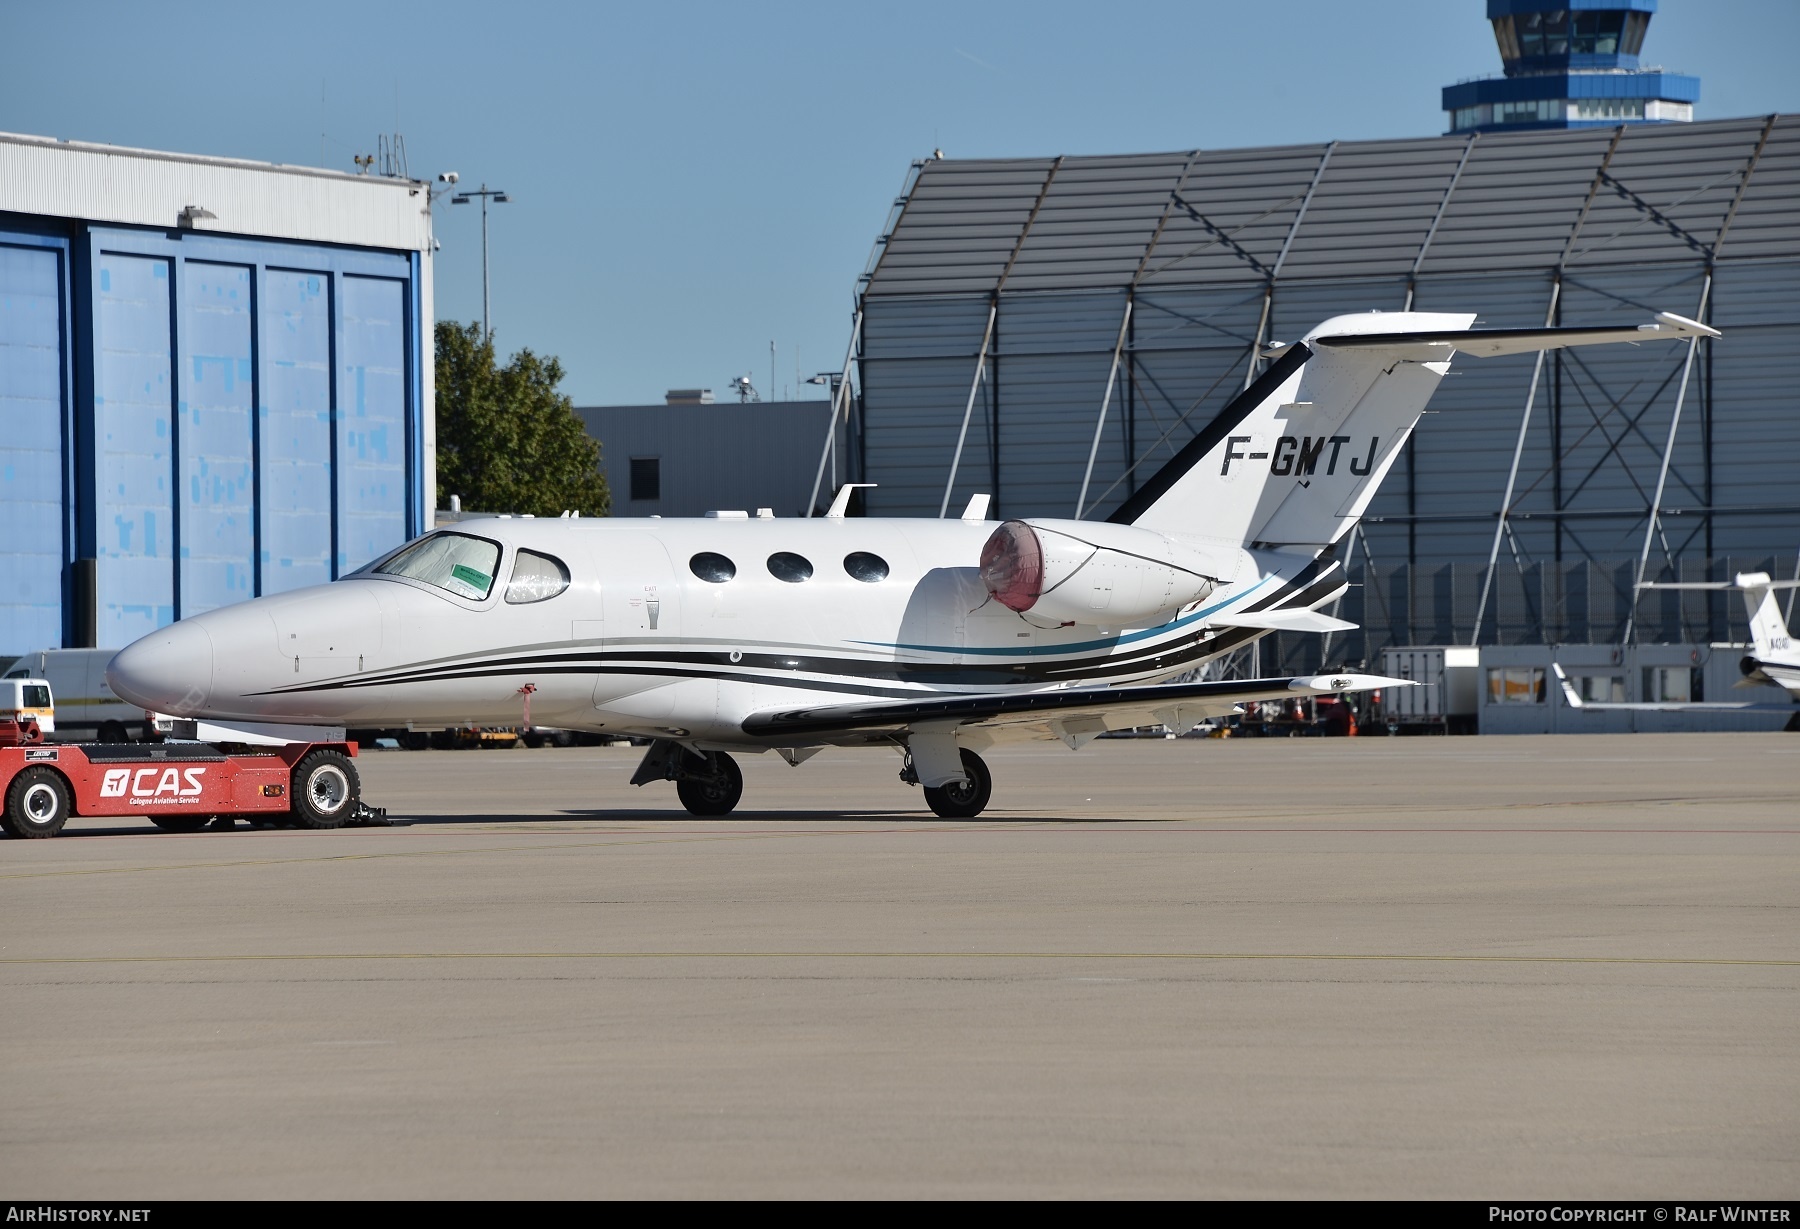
[147, 786]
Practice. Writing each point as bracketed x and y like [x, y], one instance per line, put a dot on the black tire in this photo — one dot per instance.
[181, 823]
[963, 799]
[112, 732]
[415, 740]
[37, 804]
[713, 784]
[534, 740]
[325, 789]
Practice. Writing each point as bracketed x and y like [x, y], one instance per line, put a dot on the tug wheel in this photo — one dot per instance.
[325, 789]
[713, 786]
[37, 804]
[963, 799]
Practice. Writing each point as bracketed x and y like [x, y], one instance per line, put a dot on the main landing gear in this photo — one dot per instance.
[708, 783]
[711, 784]
[963, 799]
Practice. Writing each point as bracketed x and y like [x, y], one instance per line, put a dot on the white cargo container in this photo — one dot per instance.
[1448, 697]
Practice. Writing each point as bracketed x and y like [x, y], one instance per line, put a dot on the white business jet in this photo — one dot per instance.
[1774, 658]
[941, 638]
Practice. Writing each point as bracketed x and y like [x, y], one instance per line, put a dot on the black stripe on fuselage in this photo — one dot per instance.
[1319, 579]
[1211, 436]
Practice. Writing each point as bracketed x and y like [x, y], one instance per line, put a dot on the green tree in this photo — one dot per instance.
[507, 441]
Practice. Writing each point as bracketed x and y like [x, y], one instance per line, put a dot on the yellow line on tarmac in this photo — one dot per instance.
[902, 955]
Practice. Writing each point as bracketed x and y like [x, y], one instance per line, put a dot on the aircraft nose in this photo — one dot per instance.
[168, 671]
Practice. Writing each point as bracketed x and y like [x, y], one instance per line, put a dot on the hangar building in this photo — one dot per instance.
[756, 454]
[1015, 311]
[213, 383]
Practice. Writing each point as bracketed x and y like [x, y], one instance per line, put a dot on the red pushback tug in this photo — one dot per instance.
[178, 786]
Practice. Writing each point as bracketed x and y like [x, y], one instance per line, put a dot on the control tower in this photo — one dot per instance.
[1570, 67]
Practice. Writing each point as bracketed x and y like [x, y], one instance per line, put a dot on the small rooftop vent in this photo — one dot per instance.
[688, 396]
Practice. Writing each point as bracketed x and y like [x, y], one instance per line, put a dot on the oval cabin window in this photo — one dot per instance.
[713, 568]
[536, 578]
[866, 567]
[785, 565]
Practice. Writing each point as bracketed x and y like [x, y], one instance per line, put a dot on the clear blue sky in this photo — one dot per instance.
[694, 180]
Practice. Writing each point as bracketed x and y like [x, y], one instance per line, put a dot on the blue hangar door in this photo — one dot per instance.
[34, 460]
[256, 422]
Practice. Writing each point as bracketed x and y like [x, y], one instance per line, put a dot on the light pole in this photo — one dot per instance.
[499, 198]
[833, 381]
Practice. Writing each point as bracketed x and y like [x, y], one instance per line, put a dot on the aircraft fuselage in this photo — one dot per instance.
[639, 643]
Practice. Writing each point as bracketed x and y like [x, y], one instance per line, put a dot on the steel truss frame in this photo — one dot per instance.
[1580, 406]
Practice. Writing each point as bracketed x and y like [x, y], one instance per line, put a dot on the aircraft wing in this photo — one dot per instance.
[1071, 713]
[1667, 706]
[1488, 343]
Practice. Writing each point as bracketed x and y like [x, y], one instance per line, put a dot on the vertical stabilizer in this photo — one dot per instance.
[1767, 628]
[1296, 458]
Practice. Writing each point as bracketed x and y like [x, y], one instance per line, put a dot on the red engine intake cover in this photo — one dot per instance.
[1012, 566]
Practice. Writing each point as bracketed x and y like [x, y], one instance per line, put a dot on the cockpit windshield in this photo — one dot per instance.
[453, 562]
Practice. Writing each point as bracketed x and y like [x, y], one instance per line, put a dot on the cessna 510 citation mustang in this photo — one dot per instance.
[937, 637]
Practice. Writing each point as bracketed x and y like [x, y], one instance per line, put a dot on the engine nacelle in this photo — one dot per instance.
[1092, 572]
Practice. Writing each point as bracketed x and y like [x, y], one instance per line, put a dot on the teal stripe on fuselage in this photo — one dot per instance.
[1046, 650]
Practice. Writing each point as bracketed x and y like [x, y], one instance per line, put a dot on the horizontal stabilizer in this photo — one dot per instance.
[898, 715]
[1718, 584]
[1283, 621]
[1490, 343]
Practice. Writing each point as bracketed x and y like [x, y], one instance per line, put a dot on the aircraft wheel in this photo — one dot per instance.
[534, 740]
[112, 732]
[963, 799]
[325, 788]
[37, 804]
[415, 740]
[715, 789]
[181, 823]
